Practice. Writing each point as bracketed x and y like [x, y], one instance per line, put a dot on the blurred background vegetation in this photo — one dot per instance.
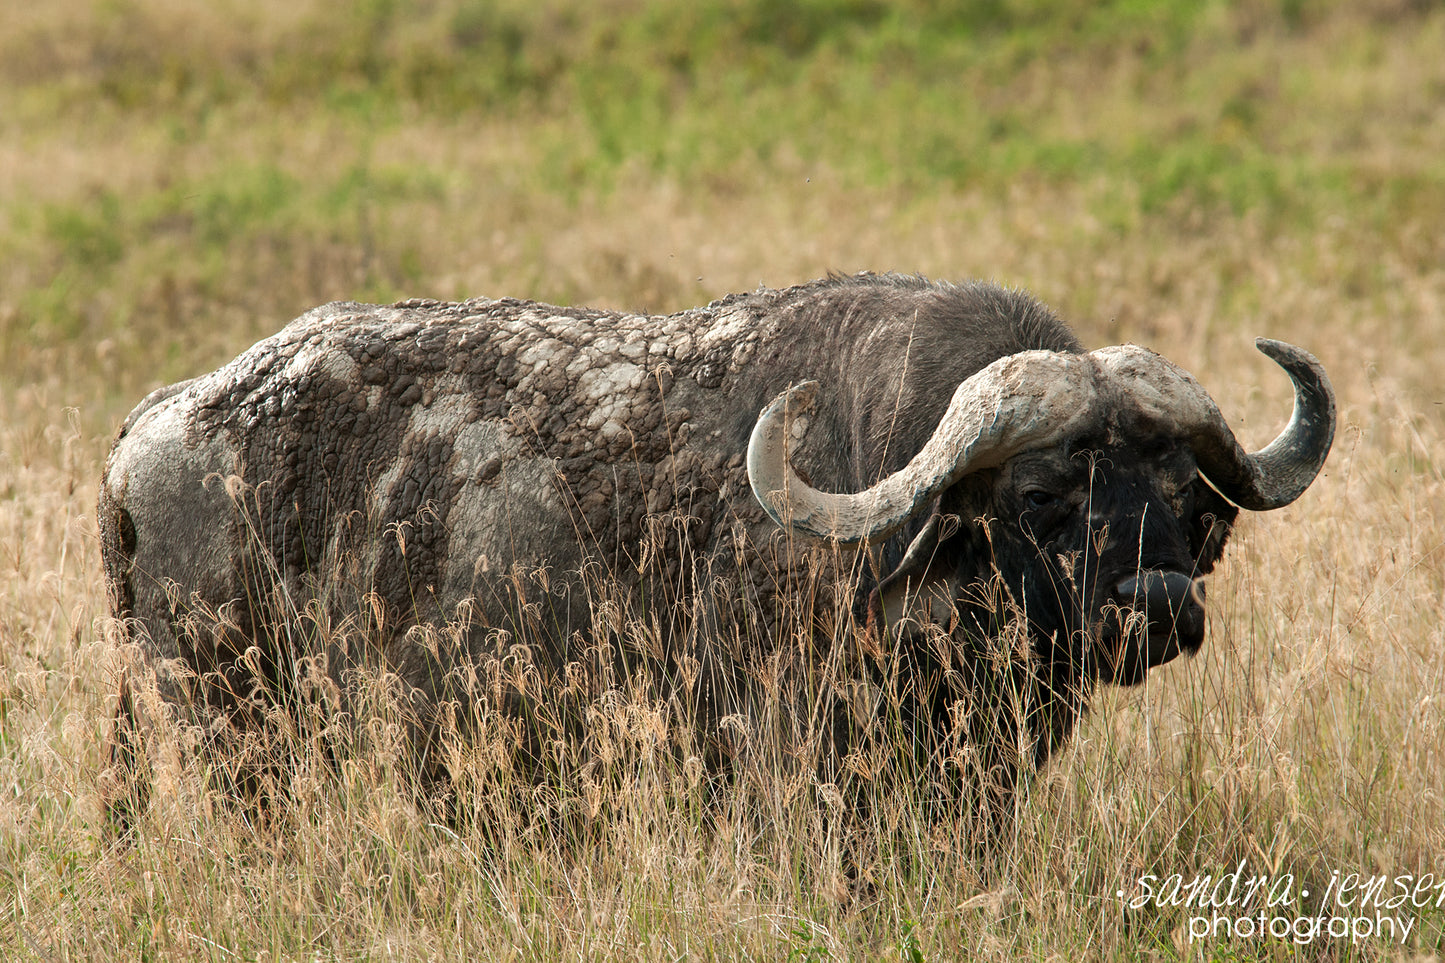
[178, 179]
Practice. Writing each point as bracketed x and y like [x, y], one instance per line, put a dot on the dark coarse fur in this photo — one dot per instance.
[540, 476]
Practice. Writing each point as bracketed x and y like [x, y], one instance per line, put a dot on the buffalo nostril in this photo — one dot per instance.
[1167, 599]
[1171, 605]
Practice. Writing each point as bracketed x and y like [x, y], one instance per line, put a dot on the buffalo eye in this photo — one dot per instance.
[1039, 498]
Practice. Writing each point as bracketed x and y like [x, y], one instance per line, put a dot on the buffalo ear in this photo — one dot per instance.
[951, 544]
[1210, 526]
[920, 563]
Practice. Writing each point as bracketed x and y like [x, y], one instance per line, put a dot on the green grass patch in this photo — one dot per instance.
[263, 158]
[915, 93]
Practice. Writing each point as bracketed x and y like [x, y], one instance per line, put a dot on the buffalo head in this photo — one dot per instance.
[1098, 488]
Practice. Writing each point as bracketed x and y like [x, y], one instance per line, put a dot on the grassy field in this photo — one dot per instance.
[178, 180]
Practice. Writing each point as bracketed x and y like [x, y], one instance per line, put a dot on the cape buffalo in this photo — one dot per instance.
[488, 494]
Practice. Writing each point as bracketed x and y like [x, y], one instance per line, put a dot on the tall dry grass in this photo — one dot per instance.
[1306, 738]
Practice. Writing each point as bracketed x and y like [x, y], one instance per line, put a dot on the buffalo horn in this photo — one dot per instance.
[1027, 400]
[1259, 481]
[1033, 399]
